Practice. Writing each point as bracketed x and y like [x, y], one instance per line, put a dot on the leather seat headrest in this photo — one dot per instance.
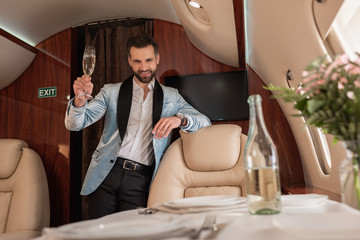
[11, 152]
[205, 153]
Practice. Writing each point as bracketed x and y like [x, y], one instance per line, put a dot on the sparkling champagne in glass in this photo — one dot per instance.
[88, 65]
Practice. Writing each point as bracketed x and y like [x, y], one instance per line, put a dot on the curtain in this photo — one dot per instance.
[110, 40]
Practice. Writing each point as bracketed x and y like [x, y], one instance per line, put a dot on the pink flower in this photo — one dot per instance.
[355, 70]
[348, 67]
[340, 85]
[310, 78]
[329, 70]
[343, 80]
[357, 83]
[320, 82]
[342, 59]
[334, 76]
[350, 95]
[323, 66]
[304, 74]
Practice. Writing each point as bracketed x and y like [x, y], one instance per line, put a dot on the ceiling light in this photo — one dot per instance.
[194, 3]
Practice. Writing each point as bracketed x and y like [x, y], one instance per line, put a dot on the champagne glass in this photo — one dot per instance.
[88, 65]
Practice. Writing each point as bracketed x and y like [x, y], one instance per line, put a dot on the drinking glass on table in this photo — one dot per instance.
[88, 65]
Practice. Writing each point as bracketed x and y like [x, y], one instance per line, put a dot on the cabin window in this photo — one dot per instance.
[321, 146]
[345, 35]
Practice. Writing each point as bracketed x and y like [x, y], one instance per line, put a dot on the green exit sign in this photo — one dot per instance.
[47, 92]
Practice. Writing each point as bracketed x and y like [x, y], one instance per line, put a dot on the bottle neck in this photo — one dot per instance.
[257, 123]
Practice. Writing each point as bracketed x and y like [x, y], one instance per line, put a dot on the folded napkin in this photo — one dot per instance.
[202, 204]
[122, 227]
[226, 203]
[51, 234]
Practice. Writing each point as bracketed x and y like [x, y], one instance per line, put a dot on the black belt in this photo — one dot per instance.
[134, 166]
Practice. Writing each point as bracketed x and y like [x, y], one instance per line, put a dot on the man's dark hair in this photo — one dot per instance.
[141, 41]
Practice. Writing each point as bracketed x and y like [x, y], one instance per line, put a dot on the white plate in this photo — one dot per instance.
[302, 199]
[205, 201]
[135, 227]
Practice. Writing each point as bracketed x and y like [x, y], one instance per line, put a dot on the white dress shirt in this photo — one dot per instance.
[137, 142]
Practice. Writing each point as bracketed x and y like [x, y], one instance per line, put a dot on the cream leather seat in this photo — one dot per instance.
[24, 195]
[207, 162]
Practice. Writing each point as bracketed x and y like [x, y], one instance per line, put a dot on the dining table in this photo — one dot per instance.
[303, 217]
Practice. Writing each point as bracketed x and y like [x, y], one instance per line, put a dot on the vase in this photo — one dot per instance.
[349, 174]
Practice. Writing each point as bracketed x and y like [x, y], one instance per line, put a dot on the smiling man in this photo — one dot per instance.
[140, 114]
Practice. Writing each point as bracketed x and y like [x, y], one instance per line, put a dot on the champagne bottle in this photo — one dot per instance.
[261, 164]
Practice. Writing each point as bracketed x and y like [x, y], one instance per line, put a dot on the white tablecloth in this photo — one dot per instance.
[299, 219]
[327, 220]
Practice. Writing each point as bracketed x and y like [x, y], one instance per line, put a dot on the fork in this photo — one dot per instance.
[209, 223]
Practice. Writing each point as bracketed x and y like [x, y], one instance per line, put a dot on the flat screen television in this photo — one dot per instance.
[220, 96]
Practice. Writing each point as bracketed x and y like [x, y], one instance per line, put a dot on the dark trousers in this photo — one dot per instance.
[125, 187]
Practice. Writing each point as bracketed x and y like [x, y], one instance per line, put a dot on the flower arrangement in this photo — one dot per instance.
[329, 98]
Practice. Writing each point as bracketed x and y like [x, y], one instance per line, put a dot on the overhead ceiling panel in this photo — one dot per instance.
[36, 20]
[13, 57]
[212, 29]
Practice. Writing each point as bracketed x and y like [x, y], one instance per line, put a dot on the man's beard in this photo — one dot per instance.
[145, 79]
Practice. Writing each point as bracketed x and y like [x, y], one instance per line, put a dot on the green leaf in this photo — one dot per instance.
[314, 104]
[301, 104]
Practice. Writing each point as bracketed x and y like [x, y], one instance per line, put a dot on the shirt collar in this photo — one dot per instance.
[136, 86]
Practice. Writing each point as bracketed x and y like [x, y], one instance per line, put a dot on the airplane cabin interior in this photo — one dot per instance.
[217, 54]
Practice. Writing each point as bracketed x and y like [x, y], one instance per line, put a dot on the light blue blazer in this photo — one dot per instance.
[105, 104]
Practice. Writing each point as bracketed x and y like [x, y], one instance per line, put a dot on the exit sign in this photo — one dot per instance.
[46, 92]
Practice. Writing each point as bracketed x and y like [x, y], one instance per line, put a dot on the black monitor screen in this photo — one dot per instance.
[220, 96]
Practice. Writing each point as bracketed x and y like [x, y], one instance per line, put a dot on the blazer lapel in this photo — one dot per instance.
[158, 98]
[124, 105]
[125, 101]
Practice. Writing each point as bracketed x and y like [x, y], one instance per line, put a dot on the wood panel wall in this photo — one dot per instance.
[40, 121]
